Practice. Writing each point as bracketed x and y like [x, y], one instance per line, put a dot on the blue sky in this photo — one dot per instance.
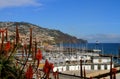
[88, 19]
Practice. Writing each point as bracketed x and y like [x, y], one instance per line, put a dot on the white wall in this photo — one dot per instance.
[95, 67]
[60, 68]
[77, 67]
[88, 67]
[102, 60]
[102, 67]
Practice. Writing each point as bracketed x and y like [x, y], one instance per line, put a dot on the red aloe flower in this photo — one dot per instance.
[7, 46]
[46, 67]
[39, 55]
[114, 70]
[51, 66]
[2, 30]
[91, 78]
[29, 72]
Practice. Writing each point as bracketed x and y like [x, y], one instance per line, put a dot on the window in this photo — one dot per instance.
[105, 66]
[92, 67]
[99, 67]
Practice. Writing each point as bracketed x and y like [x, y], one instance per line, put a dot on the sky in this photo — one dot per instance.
[92, 20]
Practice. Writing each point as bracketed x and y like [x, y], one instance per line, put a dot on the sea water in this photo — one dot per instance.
[106, 48]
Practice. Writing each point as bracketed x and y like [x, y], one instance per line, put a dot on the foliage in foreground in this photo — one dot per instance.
[12, 67]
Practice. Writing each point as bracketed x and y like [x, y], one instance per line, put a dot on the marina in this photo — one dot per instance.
[100, 64]
[69, 63]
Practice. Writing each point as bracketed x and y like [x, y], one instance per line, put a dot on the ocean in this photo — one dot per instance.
[107, 48]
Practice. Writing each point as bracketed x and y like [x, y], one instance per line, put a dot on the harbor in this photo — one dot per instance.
[94, 67]
[69, 63]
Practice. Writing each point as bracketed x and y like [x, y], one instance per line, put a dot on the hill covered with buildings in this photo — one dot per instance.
[47, 35]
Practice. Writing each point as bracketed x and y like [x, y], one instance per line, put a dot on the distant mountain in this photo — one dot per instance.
[42, 34]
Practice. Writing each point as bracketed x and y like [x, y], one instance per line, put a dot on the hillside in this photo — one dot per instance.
[42, 34]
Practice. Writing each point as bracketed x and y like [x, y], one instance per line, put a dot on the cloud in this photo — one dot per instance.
[112, 38]
[18, 3]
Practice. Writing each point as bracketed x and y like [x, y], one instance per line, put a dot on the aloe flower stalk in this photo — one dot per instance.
[28, 53]
[22, 52]
[39, 56]
[47, 68]
[25, 48]
[30, 46]
[114, 70]
[55, 74]
[29, 72]
[7, 48]
[6, 34]
[2, 31]
[17, 41]
[17, 35]
[35, 47]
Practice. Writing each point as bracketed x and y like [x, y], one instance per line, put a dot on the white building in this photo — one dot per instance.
[97, 63]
